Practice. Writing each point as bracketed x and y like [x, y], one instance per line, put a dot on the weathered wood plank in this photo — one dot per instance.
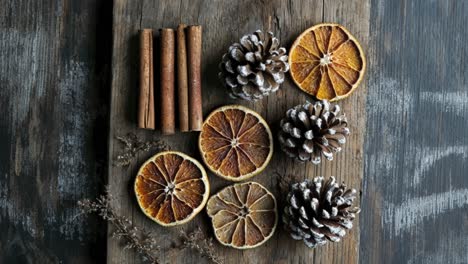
[416, 162]
[53, 105]
[415, 193]
[225, 22]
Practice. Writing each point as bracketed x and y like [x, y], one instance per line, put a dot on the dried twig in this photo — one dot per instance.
[198, 241]
[135, 238]
[283, 182]
[142, 240]
[133, 145]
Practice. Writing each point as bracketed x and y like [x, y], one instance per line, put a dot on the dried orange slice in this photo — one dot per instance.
[243, 215]
[327, 62]
[235, 142]
[171, 188]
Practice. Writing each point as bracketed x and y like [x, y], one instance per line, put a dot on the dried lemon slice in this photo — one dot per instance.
[171, 188]
[243, 215]
[327, 61]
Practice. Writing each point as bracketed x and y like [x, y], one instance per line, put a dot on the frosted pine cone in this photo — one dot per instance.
[313, 129]
[255, 67]
[317, 211]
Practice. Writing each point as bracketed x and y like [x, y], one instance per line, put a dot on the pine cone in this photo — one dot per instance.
[254, 67]
[310, 130]
[318, 211]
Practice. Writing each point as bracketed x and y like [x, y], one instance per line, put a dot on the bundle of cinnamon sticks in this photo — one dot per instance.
[180, 66]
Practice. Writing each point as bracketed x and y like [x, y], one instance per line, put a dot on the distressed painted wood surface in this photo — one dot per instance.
[415, 195]
[224, 22]
[411, 150]
[53, 129]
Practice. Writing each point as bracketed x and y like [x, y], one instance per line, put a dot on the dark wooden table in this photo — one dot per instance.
[59, 61]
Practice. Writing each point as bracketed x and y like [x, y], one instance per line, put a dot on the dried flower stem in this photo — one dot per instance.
[198, 241]
[283, 181]
[142, 240]
[139, 239]
[134, 145]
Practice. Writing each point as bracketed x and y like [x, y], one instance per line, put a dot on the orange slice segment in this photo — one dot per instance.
[243, 215]
[235, 143]
[171, 188]
[327, 62]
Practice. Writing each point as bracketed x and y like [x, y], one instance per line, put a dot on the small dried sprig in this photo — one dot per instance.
[283, 181]
[198, 241]
[135, 238]
[141, 240]
[133, 145]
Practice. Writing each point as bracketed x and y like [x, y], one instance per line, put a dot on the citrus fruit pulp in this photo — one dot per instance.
[171, 188]
[243, 215]
[327, 62]
[235, 142]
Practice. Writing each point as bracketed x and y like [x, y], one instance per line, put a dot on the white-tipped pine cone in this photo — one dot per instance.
[254, 67]
[318, 211]
[313, 129]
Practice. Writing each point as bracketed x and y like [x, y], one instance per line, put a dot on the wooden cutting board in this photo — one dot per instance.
[224, 22]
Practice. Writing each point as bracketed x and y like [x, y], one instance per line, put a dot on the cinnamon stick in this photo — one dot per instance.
[167, 81]
[182, 79]
[194, 40]
[146, 97]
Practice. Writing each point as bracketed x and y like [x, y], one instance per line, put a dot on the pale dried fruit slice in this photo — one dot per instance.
[235, 142]
[327, 62]
[171, 188]
[243, 215]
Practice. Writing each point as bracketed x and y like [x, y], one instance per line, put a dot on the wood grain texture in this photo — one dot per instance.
[224, 22]
[53, 97]
[53, 90]
[416, 152]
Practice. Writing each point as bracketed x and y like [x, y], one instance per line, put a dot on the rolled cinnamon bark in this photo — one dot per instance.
[182, 79]
[194, 36]
[167, 81]
[146, 97]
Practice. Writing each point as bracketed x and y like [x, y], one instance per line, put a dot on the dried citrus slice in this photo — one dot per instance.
[171, 188]
[243, 215]
[235, 142]
[327, 61]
